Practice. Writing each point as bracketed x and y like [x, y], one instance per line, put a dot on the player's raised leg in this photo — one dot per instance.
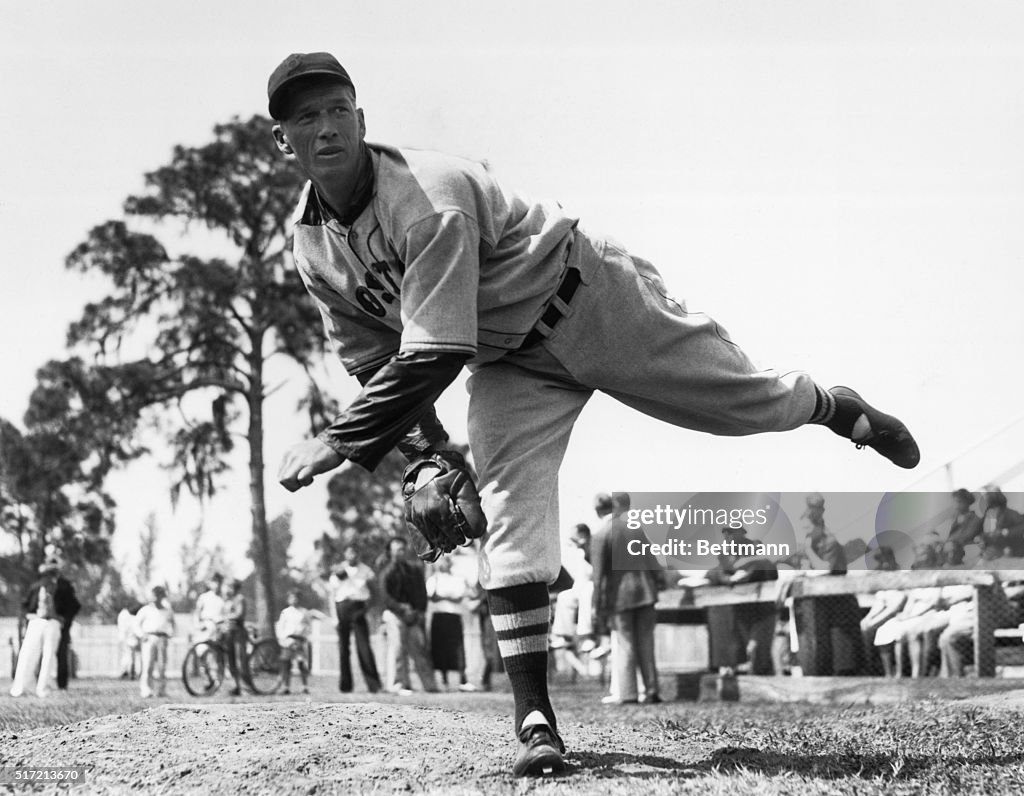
[654, 354]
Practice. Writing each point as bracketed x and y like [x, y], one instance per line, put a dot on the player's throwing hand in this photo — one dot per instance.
[303, 461]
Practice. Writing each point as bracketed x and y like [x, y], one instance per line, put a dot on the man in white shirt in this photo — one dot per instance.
[129, 641]
[42, 635]
[293, 630]
[351, 586]
[156, 626]
[209, 610]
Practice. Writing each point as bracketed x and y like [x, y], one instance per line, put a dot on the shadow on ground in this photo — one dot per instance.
[838, 766]
[731, 759]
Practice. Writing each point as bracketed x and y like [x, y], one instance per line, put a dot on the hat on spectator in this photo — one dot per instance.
[814, 501]
[965, 495]
[603, 503]
[885, 555]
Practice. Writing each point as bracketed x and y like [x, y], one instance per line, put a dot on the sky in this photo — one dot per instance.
[840, 185]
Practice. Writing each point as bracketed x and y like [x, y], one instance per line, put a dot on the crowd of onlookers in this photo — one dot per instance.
[915, 632]
[421, 610]
[601, 612]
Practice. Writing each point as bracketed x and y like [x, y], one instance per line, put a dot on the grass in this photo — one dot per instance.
[926, 746]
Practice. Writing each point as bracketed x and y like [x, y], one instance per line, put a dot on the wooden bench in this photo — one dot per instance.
[688, 606]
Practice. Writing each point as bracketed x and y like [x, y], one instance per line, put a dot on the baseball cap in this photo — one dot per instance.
[814, 500]
[297, 66]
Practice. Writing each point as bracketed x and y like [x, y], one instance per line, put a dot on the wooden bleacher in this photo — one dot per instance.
[688, 605]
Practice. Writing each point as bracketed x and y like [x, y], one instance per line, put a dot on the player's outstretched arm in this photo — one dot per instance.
[305, 460]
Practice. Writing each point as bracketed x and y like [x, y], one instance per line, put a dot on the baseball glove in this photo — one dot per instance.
[441, 503]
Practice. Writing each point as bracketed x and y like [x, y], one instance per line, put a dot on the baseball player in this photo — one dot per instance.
[422, 264]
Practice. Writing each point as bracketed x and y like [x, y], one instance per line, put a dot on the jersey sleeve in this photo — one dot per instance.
[440, 285]
[392, 402]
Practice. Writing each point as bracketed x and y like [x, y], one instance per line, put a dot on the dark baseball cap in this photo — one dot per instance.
[297, 66]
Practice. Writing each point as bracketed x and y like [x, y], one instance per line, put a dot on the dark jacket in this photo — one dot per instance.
[402, 582]
[66, 600]
[1009, 532]
[964, 530]
[622, 580]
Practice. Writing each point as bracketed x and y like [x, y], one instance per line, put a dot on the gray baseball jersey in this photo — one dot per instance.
[444, 258]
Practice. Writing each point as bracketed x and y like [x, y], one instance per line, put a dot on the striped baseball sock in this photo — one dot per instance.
[521, 616]
[824, 406]
[842, 415]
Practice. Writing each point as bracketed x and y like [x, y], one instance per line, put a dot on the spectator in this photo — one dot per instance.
[68, 607]
[42, 634]
[1003, 526]
[477, 606]
[404, 593]
[742, 634]
[156, 626]
[293, 629]
[959, 631]
[965, 526]
[886, 605]
[209, 613]
[952, 554]
[625, 592]
[828, 628]
[603, 507]
[237, 636]
[351, 585]
[573, 624]
[929, 553]
[892, 637]
[922, 636]
[446, 593]
[129, 641]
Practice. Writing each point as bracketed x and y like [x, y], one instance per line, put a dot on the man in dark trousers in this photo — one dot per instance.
[626, 582]
[67, 606]
[352, 584]
[828, 628]
[404, 590]
[742, 633]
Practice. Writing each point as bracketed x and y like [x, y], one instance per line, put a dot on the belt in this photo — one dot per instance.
[571, 280]
[159, 635]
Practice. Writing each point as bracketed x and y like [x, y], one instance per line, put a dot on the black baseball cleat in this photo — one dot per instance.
[885, 434]
[540, 752]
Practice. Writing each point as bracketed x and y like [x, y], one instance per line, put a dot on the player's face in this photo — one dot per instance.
[351, 556]
[323, 132]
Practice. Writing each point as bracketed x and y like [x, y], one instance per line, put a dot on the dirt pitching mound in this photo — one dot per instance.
[295, 747]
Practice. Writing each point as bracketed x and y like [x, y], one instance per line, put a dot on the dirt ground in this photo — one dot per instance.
[461, 743]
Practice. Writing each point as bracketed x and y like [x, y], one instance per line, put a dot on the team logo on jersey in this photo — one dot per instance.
[369, 302]
[373, 295]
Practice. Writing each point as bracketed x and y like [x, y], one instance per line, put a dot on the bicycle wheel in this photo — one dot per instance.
[265, 666]
[203, 669]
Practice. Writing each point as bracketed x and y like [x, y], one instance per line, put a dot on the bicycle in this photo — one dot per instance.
[206, 661]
